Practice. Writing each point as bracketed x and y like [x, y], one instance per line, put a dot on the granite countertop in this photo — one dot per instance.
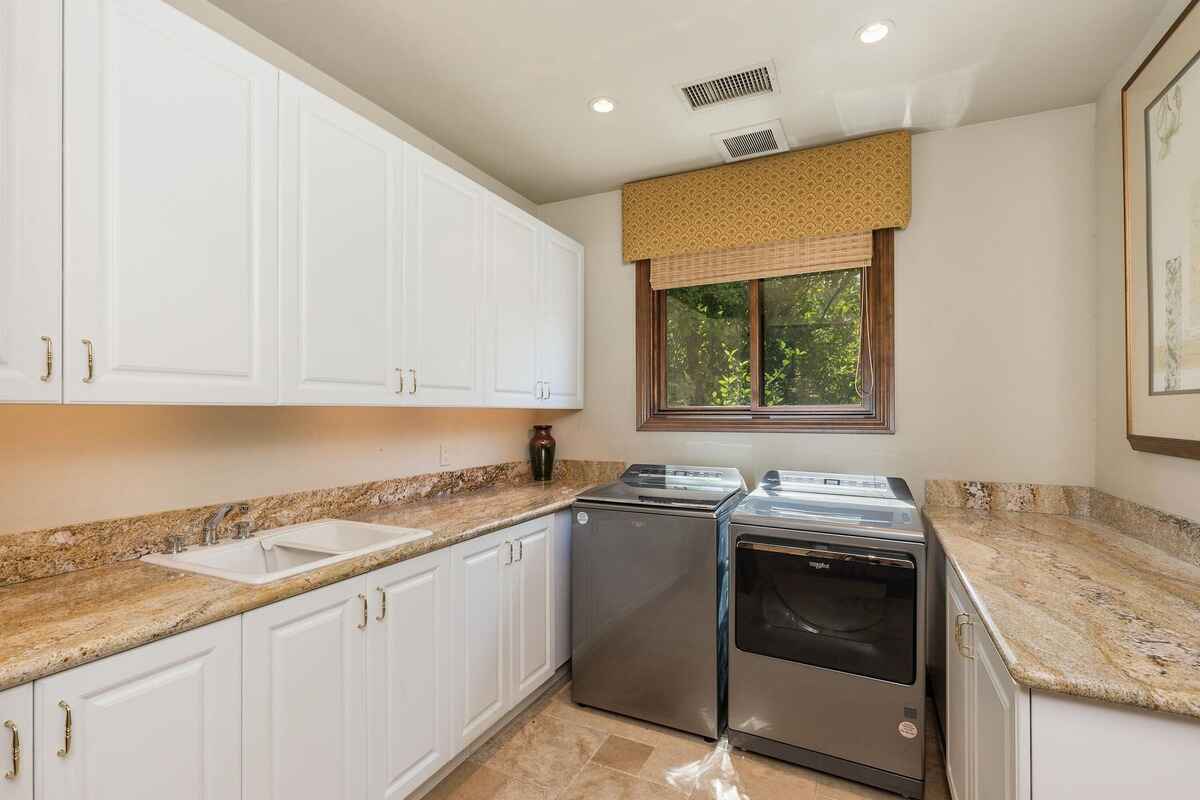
[55, 623]
[1077, 607]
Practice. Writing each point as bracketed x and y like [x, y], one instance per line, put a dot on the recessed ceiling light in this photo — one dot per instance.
[875, 32]
[601, 105]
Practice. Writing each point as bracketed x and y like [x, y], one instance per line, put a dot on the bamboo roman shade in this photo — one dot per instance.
[762, 261]
[846, 188]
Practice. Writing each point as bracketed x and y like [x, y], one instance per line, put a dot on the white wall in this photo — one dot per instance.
[995, 291]
[1162, 482]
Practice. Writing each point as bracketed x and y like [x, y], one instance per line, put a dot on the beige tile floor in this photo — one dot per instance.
[557, 750]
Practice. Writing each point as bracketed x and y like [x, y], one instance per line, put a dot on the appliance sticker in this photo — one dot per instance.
[907, 730]
[582, 518]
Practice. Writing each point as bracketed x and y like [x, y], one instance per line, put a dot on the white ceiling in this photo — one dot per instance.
[505, 83]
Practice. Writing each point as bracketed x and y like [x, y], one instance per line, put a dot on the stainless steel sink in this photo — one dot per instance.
[284, 552]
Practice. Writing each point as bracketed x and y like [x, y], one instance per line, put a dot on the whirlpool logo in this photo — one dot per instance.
[819, 564]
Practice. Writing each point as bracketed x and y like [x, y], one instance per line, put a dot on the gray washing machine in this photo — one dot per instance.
[650, 595]
[827, 627]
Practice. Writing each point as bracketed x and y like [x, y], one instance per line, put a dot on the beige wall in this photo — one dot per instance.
[994, 319]
[63, 464]
[1162, 482]
[71, 464]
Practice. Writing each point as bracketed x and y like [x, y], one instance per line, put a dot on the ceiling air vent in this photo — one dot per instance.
[756, 80]
[752, 141]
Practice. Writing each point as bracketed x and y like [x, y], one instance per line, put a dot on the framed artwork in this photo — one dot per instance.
[1161, 116]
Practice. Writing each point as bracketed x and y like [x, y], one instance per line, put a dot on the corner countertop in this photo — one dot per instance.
[1077, 607]
[52, 624]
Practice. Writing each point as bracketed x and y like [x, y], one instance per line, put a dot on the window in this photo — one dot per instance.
[788, 354]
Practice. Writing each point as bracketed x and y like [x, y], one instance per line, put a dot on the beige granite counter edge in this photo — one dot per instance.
[219, 599]
[1027, 677]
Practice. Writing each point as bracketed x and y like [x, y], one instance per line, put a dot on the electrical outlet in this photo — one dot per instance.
[444, 455]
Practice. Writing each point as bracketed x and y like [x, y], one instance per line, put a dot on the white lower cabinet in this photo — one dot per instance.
[1004, 742]
[532, 607]
[163, 720]
[16, 743]
[562, 588]
[481, 634]
[362, 689]
[409, 677]
[1100, 751]
[505, 608]
[304, 696]
[987, 714]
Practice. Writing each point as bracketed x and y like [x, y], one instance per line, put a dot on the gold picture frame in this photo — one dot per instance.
[1160, 116]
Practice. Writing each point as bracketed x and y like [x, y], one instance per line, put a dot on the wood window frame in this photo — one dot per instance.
[876, 415]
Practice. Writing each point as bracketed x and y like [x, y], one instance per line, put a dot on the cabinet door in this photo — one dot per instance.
[560, 322]
[161, 720]
[443, 276]
[532, 587]
[170, 210]
[16, 743]
[409, 677]
[481, 632]
[513, 250]
[960, 690]
[340, 258]
[995, 707]
[303, 680]
[30, 201]
[562, 588]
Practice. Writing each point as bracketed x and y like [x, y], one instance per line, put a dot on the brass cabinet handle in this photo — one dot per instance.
[961, 621]
[547, 390]
[16, 751]
[382, 604]
[400, 375]
[91, 361]
[413, 374]
[363, 624]
[520, 549]
[66, 748]
[49, 373]
[538, 391]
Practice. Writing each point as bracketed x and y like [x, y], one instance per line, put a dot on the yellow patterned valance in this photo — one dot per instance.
[850, 187]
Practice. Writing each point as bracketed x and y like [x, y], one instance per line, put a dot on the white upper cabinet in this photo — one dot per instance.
[161, 720]
[180, 223]
[560, 321]
[341, 286]
[443, 284]
[30, 201]
[170, 210]
[511, 310]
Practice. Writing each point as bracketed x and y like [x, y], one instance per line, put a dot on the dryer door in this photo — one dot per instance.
[839, 607]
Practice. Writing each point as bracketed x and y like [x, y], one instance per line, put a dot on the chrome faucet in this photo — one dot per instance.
[214, 522]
